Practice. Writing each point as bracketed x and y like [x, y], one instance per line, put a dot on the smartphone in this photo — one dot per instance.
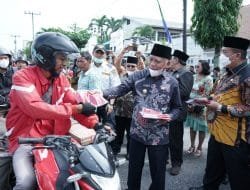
[124, 61]
[135, 47]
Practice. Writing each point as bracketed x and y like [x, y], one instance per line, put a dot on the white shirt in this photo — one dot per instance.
[107, 75]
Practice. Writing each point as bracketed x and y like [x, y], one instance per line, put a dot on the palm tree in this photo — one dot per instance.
[113, 24]
[100, 23]
[144, 31]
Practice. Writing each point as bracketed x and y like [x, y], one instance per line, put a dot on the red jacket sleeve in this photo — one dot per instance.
[26, 94]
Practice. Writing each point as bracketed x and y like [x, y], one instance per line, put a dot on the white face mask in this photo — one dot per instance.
[155, 73]
[223, 60]
[130, 72]
[4, 63]
[97, 61]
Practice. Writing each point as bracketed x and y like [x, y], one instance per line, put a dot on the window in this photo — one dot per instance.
[128, 21]
[161, 36]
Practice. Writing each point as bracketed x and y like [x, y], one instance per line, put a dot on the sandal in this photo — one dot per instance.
[197, 153]
[190, 150]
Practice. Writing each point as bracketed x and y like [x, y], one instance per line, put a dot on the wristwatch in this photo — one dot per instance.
[222, 108]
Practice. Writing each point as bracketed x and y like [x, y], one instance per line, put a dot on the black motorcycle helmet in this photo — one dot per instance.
[47, 45]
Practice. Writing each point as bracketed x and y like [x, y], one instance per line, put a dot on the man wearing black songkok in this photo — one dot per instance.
[152, 90]
[229, 121]
[186, 80]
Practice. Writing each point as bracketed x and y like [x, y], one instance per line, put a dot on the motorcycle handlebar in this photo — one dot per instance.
[4, 107]
[22, 140]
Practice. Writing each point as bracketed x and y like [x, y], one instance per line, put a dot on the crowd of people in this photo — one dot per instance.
[42, 100]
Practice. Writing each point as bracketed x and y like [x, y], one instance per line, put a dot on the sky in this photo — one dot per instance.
[64, 13]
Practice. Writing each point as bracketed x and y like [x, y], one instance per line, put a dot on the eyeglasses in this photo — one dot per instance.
[130, 66]
[197, 66]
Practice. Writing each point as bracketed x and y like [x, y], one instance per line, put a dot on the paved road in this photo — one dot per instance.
[191, 173]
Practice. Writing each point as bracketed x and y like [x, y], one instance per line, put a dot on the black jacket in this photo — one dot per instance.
[186, 81]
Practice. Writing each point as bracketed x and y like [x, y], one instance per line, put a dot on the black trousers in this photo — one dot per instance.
[122, 124]
[222, 159]
[176, 142]
[7, 179]
[157, 155]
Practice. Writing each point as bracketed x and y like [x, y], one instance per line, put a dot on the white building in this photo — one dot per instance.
[120, 38]
[123, 37]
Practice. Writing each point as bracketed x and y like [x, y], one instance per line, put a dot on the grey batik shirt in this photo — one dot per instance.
[158, 93]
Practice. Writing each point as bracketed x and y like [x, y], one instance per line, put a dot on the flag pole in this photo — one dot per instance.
[167, 33]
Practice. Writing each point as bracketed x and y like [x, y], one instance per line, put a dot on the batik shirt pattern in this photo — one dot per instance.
[157, 93]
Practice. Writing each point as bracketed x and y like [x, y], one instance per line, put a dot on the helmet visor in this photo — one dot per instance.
[62, 61]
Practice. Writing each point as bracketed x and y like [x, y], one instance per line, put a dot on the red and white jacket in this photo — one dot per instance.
[31, 116]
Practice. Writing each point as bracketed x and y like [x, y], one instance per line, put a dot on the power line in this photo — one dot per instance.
[15, 36]
[32, 17]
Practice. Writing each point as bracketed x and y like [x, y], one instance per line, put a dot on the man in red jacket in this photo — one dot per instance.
[42, 103]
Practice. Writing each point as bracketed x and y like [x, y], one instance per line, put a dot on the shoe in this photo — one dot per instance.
[190, 150]
[175, 170]
[225, 181]
[197, 153]
[197, 188]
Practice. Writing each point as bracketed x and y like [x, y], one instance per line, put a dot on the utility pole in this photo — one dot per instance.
[32, 17]
[184, 40]
[15, 36]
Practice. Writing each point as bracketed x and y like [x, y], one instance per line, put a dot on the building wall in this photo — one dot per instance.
[193, 49]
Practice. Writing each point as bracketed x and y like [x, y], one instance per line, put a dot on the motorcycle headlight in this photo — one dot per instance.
[108, 183]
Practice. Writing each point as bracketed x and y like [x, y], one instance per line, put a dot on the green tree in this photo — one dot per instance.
[144, 31]
[27, 50]
[105, 26]
[113, 24]
[212, 20]
[100, 23]
[78, 35]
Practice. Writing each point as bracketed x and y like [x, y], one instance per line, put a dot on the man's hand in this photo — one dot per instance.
[88, 109]
[109, 129]
[166, 119]
[109, 108]
[213, 105]
[202, 101]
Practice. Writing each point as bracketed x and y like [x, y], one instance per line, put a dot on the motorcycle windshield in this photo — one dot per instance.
[96, 159]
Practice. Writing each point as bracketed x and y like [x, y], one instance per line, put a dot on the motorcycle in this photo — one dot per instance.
[60, 162]
[7, 179]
